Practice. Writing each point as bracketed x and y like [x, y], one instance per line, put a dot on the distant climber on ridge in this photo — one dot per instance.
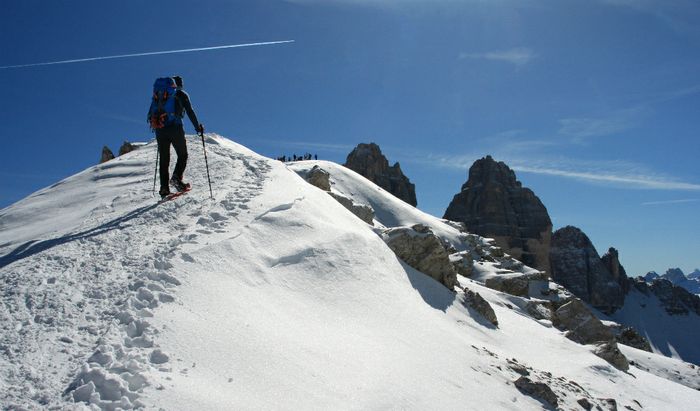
[165, 115]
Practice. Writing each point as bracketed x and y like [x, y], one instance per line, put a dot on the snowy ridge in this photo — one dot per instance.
[271, 295]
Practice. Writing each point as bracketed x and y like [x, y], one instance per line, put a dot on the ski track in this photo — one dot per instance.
[106, 318]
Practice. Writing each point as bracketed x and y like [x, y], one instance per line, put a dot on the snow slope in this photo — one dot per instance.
[271, 295]
[675, 336]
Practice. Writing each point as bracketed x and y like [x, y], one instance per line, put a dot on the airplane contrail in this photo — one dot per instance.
[150, 53]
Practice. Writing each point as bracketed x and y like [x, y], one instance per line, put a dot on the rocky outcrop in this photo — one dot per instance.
[630, 337]
[368, 161]
[538, 390]
[363, 211]
[492, 203]
[418, 247]
[612, 354]
[577, 266]
[126, 148]
[518, 284]
[675, 300]
[676, 277]
[319, 178]
[580, 324]
[106, 155]
[477, 303]
[611, 261]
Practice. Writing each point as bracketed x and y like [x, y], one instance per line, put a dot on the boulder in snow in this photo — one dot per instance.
[106, 155]
[362, 211]
[319, 178]
[612, 354]
[476, 302]
[418, 247]
[582, 326]
[538, 390]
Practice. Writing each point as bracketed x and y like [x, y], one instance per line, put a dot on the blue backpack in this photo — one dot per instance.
[164, 109]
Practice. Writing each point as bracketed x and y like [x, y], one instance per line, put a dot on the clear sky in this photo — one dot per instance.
[594, 103]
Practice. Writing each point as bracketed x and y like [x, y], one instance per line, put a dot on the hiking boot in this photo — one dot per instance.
[164, 192]
[179, 185]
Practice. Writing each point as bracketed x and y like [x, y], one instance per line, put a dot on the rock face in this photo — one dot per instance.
[126, 148]
[676, 300]
[492, 203]
[363, 211]
[106, 155]
[538, 390]
[577, 266]
[368, 161]
[476, 302]
[418, 247]
[319, 177]
[581, 325]
[612, 354]
[676, 277]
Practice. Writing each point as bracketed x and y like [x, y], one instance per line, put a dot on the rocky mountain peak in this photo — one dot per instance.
[368, 161]
[674, 275]
[578, 267]
[493, 203]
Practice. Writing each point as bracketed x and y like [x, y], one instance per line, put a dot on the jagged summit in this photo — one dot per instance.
[368, 161]
[493, 203]
[273, 287]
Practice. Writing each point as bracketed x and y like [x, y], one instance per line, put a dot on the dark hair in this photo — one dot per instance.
[178, 81]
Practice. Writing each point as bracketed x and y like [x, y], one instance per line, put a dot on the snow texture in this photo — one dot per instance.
[272, 295]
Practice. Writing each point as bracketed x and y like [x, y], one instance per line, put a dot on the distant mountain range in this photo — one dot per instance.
[690, 282]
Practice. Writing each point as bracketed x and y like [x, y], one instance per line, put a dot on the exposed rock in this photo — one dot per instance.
[106, 155]
[492, 203]
[463, 263]
[517, 284]
[126, 148]
[582, 326]
[674, 275]
[368, 161]
[539, 309]
[476, 302]
[538, 390]
[612, 354]
[651, 276]
[609, 403]
[319, 178]
[418, 247]
[611, 261]
[676, 300]
[577, 266]
[629, 336]
[584, 403]
[363, 211]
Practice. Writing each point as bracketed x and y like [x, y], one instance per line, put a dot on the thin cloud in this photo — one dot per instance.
[609, 173]
[518, 56]
[582, 128]
[665, 202]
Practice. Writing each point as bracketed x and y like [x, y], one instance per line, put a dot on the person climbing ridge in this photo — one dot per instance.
[165, 115]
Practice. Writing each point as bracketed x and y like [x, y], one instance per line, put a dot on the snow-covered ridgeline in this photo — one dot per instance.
[272, 295]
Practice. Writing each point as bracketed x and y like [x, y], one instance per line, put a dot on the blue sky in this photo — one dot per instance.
[594, 104]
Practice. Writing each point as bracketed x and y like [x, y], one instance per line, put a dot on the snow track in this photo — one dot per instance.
[82, 300]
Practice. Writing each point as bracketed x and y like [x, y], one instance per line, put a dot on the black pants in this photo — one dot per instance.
[166, 136]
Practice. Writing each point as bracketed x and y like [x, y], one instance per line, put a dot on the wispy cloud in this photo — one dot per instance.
[665, 202]
[518, 56]
[619, 174]
[582, 128]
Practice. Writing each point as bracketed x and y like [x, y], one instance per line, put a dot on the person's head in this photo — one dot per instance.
[178, 81]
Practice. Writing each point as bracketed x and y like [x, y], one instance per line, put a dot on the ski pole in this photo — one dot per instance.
[206, 162]
[155, 173]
